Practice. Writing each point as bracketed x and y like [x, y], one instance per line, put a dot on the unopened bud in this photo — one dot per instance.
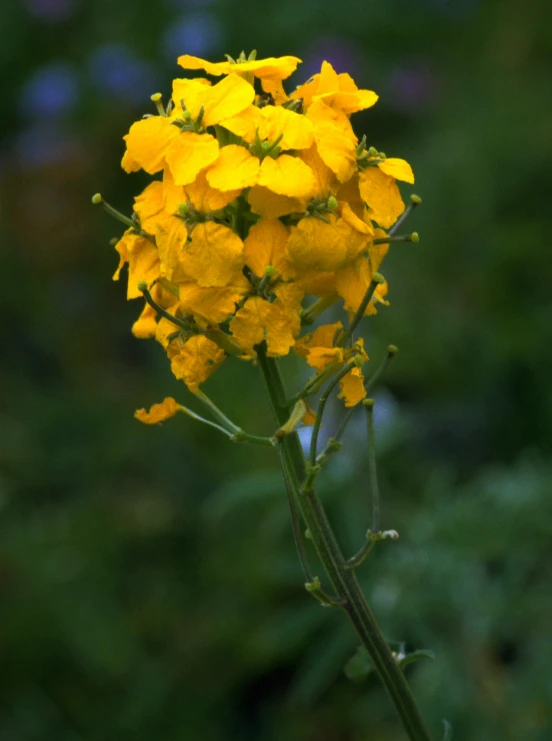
[183, 209]
[113, 241]
[368, 403]
[373, 152]
[358, 360]
[142, 286]
[265, 146]
[416, 200]
[392, 349]
[97, 199]
[332, 203]
[414, 237]
[378, 278]
[269, 271]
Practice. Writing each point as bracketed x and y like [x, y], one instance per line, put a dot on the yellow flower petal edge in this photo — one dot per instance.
[158, 412]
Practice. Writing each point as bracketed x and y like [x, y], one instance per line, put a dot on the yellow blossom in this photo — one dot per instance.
[266, 246]
[142, 258]
[277, 323]
[158, 412]
[320, 245]
[270, 70]
[214, 254]
[196, 360]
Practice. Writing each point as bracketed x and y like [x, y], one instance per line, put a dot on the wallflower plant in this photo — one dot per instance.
[265, 211]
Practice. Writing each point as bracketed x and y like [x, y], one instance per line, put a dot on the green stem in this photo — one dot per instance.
[320, 411]
[376, 515]
[347, 335]
[343, 579]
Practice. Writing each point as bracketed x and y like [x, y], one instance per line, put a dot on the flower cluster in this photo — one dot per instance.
[266, 204]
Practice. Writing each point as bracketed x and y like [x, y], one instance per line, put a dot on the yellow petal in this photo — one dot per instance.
[270, 205]
[352, 388]
[278, 323]
[158, 412]
[213, 305]
[197, 360]
[143, 261]
[189, 153]
[266, 245]
[317, 347]
[245, 124]
[287, 176]
[277, 68]
[327, 245]
[147, 143]
[187, 92]
[398, 169]
[317, 284]
[236, 168]
[381, 194]
[296, 130]
[171, 241]
[337, 148]
[325, 179]
[173, 195]
[352, 281]
[317, 245]
[274, 87]
[206, 199]
[150, 206]
[213, 256]
[146, 324]
[129, 164]
[224, 100]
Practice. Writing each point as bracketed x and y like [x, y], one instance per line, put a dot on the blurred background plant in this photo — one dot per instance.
[149, 584]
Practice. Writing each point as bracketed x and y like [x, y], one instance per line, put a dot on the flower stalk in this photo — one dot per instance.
[342, 578]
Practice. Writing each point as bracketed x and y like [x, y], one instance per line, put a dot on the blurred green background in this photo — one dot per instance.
[149, 586]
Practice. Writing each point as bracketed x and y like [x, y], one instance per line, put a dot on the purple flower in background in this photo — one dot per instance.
[337, 51]
[198, 34]
[52, 11]
[51, 91]
[44, 144]
[412, 86]
[118, 72]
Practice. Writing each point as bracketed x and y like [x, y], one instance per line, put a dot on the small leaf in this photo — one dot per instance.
[359, 665]
[422, 653]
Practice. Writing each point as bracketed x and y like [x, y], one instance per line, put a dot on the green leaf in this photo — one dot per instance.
[422, 653]
[359, 665]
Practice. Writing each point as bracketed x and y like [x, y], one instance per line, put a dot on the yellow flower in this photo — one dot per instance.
[319, 350]
[214, 254]
[142, 258]
[338, 91]
[270, 70]
[158, 412]
[317, 347]
[147, 143]
[271, 123]
[327, 245]
[196, 360]
[284, 175]
[266, 246]
[278, 323]
[212, 306]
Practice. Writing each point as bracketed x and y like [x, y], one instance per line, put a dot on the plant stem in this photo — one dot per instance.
[343, 579]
